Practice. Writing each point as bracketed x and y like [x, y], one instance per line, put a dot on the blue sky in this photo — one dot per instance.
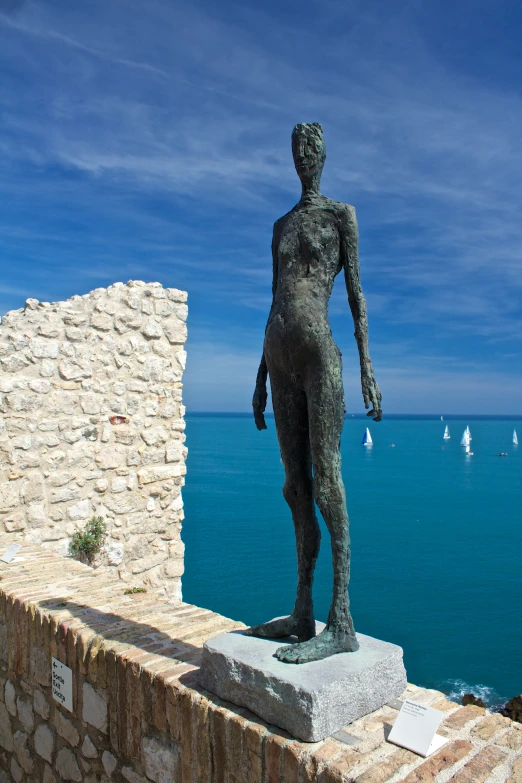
[150, 139]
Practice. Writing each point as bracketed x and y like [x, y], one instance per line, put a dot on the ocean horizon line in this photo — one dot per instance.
[363, 416]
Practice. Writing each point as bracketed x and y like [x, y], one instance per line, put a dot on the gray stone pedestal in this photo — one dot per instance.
[310, 700]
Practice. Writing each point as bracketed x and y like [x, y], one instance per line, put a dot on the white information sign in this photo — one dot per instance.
[62, 684]
[416, 729]
[10, 553]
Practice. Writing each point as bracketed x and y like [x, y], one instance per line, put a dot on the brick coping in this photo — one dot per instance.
[85, 619]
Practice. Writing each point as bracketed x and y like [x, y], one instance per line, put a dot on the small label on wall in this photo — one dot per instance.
[415, 728]
[10, 553]
[62, 684]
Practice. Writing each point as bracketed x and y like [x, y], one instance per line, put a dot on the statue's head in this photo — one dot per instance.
[309, 151]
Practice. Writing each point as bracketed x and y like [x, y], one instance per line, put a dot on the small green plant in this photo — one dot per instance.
[133, 590]
[85, 544]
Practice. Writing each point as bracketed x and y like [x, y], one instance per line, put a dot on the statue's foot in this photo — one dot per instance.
[328, 642]
[302, 627]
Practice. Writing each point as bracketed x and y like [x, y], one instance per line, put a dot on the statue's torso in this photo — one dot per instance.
[307, 244]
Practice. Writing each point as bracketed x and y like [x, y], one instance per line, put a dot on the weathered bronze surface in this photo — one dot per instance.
[310, 246]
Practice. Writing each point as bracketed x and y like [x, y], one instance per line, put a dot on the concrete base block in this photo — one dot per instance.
[310, 700]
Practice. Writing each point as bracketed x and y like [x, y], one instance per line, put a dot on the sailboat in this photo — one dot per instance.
[442, 418]
[446, 435]
[367, 438]
[469, 432]
[515, 438]
[465, 441]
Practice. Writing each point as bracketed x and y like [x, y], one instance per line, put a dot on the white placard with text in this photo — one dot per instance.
[416, 728]
[62, 684]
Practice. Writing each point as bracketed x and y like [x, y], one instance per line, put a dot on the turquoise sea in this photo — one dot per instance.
[436, 540]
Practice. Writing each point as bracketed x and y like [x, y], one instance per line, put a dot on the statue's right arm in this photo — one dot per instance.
[260, 394]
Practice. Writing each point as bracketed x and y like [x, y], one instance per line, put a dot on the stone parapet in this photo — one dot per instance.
[92, 423]
[139, 715]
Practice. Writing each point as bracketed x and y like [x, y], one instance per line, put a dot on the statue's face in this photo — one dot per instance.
[308, 150]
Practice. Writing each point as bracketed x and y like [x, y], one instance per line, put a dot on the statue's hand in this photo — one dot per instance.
[371, 393]
[259, 405]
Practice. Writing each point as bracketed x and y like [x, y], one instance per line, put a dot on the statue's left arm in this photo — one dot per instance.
[350, 259]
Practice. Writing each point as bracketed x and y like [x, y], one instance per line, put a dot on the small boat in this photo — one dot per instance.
[515, 438]
[446, 435]
[469, 432]
[502, 453]
[367, 438]
[442, 418]
[465, 440]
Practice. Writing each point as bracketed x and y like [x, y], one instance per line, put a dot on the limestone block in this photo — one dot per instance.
[44, 741]
[101, 322]
[23, 754]
[10, 698]
[16, 770]
[160, 473]
[40, 387]
[146, 563]
[36, 515]
[22, 442]
[75, 319]
[40, 704]
[175, 332]
[66, 729]
[152, 329]
[6, 733]
[64, 495]
[174, 568]
[109, 762]
[129, 503]
[74, 370]
[94, 708]
[175, 451]
[60, 479]
[43, 349]
[114, 553]
[89, 403]
[40, 666]
[160, 759]
[111, 457]
[49, 329]
[155, 435]
[9, 496]
[80, 511]
[131, 776]
[14, 363]
[67, 766]
[89, 749]
[25, 713]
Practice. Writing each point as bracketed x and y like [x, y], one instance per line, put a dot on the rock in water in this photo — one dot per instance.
[513, 709]
[470, 698]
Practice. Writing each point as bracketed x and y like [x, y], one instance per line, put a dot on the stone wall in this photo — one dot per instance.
[91, 423]
[140, 716]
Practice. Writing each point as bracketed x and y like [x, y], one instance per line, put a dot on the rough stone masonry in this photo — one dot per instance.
[92, 423]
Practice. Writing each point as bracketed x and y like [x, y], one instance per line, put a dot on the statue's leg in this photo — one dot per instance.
[326, 417]
[290, 411]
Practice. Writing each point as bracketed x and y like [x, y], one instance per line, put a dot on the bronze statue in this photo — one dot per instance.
[310, 246]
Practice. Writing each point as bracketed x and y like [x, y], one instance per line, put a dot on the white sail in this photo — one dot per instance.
[467, 448]
[442, 418]
[367, 438]
[446, 435]
[515, 438]
[469, 432]
[464, 441]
